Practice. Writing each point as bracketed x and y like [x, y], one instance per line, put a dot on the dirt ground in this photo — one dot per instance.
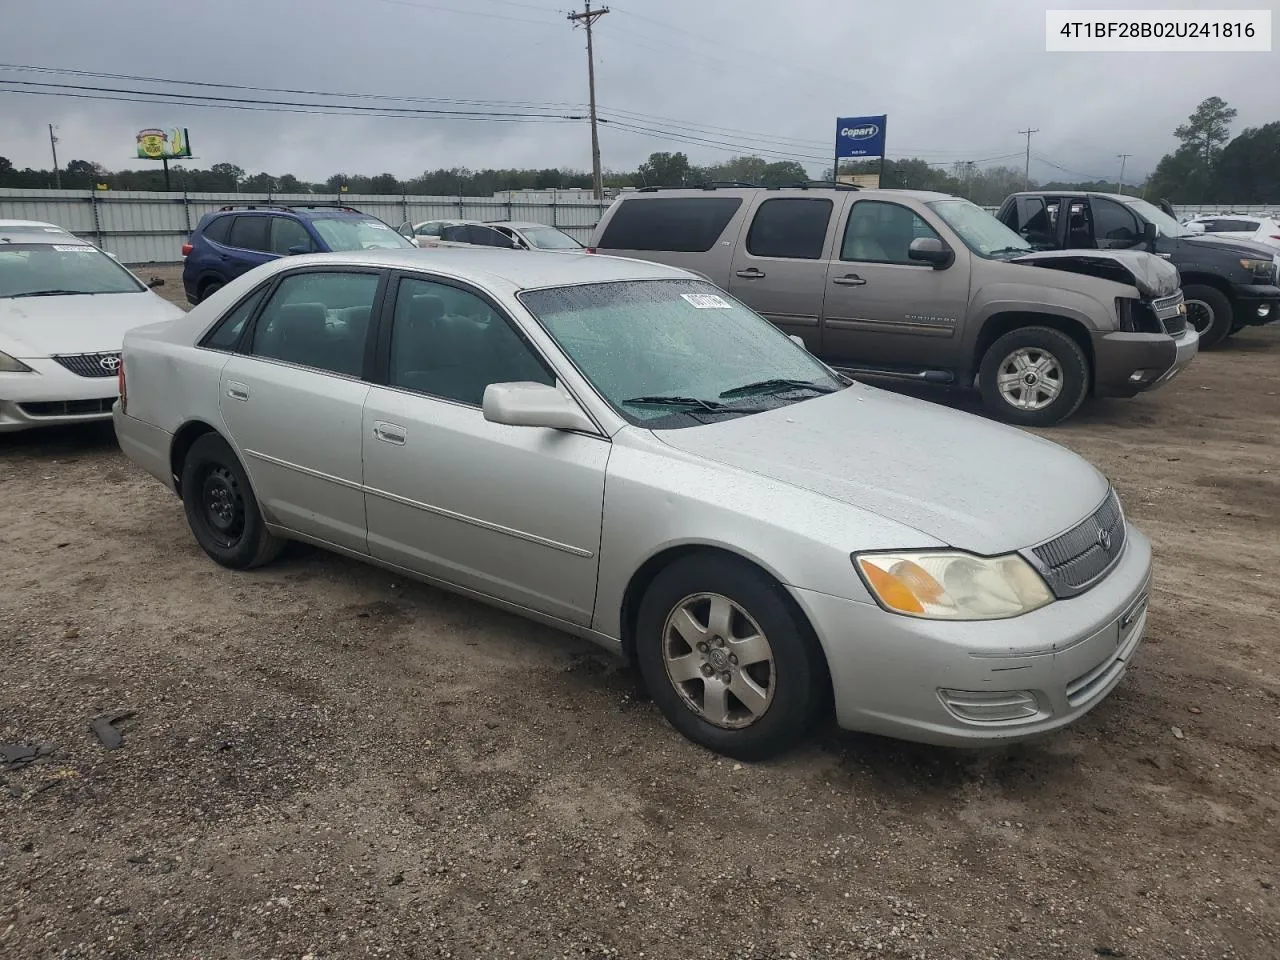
[325, 761]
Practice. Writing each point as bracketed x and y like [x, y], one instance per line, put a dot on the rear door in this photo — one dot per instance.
[249, 241]
[293, 399]
[779, 265]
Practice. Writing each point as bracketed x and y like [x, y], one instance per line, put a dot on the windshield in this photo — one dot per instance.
[57, 269]
[348, 233]
[1167, 226]
[549, 238]
[676, 353]
[981, 232]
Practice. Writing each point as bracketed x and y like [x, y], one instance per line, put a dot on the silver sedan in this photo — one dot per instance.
[623, 451]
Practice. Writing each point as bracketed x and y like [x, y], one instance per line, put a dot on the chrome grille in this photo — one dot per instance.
[1171, 313]
[91, 364]
[1074, 561]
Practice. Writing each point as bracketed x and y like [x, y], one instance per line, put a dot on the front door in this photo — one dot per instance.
[884, 309]
[510, 512]
[293, 402]
[779, 269]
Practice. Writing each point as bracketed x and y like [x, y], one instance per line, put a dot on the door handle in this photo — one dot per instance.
[849, 280]
[237, 391]
[751, 273]
[390, 432]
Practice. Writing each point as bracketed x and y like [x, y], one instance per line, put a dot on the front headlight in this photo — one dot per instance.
[9, 365]
[949, 585]
[1259, 268]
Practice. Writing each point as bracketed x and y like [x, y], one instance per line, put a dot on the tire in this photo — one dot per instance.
[1210, 312]
[209, 288]
[1053, 358]
[221, 508]
[787, 692]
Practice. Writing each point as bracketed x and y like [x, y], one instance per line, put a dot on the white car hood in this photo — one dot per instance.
[33, 327]
[962, 479]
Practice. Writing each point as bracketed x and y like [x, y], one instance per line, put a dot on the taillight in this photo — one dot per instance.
[589, 249]
[186, 249]
[124, 398]
[1275, 236]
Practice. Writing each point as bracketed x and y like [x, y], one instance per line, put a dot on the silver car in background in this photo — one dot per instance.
[621, 450]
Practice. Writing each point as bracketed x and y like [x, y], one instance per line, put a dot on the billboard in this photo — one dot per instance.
[860, 137]
[167, 144]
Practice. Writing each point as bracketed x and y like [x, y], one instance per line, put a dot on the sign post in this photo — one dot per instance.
[858, 137]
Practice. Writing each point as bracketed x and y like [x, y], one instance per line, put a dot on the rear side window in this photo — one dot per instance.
[226, 334]
[675, 224]
[790, 227]
[250, 233]
[218, 229]
[318, 319]
[1233, 226]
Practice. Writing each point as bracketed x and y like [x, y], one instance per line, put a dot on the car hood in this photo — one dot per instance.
[1153, 276]
[32, 327]
[959, 478]
[1231, 245]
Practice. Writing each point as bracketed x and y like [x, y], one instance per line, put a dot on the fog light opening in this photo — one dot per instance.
[1264, 310]
[1137, 376]
[990, 706]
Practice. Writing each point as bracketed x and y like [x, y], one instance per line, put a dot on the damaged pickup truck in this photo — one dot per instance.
[908, 285]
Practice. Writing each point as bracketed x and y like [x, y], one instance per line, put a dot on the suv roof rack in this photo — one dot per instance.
[806, 184]
[290, 206]
[732, 184]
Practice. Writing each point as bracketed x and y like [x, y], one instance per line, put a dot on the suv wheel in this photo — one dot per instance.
[209, 288]
[1209, 311]
[1034, 377]
[726, 659]
[222, 509]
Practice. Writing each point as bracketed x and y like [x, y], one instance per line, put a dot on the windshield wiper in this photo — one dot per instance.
[777, 385]
[1026, 249]
[658, 400]
[54, 293]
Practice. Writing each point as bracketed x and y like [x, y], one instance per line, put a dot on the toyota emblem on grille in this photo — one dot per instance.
[109, 363]
[1104, 539]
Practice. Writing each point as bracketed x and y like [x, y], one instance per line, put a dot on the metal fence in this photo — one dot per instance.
[143, 227]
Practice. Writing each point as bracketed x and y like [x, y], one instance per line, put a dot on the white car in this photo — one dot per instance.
[505, 234]
[1258, 229]
[64, 309]
[426, 234]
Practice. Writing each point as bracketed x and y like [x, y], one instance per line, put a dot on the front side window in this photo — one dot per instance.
[447, 342]
[355, 233]
[1167, 226]
[226, 334]
[881, 232]
[61, 269]
[318, 319]
[980, 231]
[790, 227]
[1114, 225]
[251, 233]
[289, 236]
[675, 353]
[676, 224]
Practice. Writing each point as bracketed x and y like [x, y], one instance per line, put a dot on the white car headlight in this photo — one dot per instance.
[950, 585]
[9, 365]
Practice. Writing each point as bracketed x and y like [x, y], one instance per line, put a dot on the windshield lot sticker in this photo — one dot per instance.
[78, 248]
[706, 301]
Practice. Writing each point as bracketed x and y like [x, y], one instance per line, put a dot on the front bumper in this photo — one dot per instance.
[1126, 364]
[51, 395]
[888, 671]
[1255, 305]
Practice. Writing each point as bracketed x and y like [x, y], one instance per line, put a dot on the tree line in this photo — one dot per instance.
[1208, 166]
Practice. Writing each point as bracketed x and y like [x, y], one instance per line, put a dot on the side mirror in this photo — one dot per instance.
[1149, 232]
[533, 405]
[930, 250]
[797, 340]
[1195, 227]
[155, 282]
[299, 248]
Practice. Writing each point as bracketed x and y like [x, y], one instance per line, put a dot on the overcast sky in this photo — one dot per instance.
[957, 78]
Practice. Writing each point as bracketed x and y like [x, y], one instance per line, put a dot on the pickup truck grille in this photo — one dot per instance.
[1171, 313]
[1074, 561]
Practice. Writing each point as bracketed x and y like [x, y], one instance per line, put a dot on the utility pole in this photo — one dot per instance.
[1120, 184]
[588, 17]
[53, 145]
[1026, 174]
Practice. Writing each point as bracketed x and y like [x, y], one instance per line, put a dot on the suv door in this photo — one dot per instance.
[779, 268]
[511, 512]
[250, 243]
[293, 400]
[883, 308]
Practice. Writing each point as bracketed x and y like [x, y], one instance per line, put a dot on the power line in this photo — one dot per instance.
[468, 13]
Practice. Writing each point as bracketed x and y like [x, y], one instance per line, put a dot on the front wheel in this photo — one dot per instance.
[221, 508]
[726, 658]
[1034, 377]
[1209, 311]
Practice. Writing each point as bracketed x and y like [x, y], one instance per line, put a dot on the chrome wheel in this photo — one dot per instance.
[1200, 315]
[719, 660]
[1029, 378]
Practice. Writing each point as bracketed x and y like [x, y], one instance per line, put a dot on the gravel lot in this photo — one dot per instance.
[326, 761]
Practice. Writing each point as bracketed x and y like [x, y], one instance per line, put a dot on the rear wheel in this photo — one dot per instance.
[209, 288]
[1034, 377]
[728, 661]
[221, 508]
[1209, 311]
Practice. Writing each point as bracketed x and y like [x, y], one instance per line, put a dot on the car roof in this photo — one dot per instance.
[36, 231]
[300, 210]
[1118, 197]
[496, 268]
[822, 191]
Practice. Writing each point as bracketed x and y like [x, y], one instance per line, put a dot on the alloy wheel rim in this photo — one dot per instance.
[719, 660]
[1029, 378]
[1199, 315]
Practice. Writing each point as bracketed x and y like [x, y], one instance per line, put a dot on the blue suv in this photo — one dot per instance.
[234, 239]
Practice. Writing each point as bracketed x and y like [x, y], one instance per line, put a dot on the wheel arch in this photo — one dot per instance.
[1198, 278]
[1006, 321]
[183, 439]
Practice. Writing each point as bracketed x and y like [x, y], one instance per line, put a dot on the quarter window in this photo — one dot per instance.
[318, 319]
[880, 232]
[790, 227]
[226, 334]
[218, 229]
[676, 224]
[250, 233]
[447, 342]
